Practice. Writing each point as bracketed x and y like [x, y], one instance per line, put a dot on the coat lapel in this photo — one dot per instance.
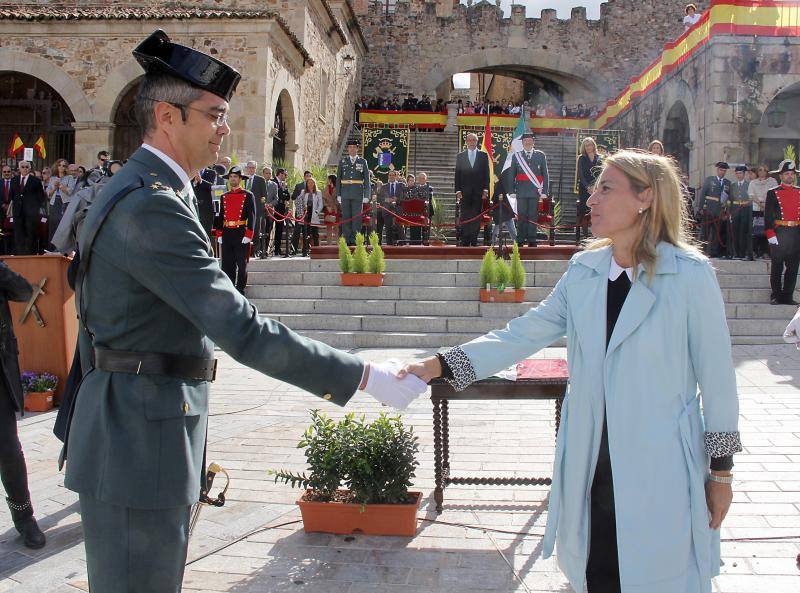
[637, 305]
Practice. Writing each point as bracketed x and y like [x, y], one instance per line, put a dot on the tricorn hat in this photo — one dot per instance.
[722, 165]
[158, 54]
[235, 170]
[786, 165]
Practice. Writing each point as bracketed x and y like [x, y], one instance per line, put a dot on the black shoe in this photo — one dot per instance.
[790, 302]
[32, 536]
[774, 301]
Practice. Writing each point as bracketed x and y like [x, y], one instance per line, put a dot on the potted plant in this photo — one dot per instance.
[438, 237]
[39, 389]
[358, 268]
[375, 461]
[497, 276]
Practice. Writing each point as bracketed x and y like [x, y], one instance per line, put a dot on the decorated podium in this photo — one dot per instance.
[46, 326]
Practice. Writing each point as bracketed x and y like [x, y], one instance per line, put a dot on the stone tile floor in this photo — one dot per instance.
[475, 545]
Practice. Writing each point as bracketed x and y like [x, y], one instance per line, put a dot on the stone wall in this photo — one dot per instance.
[594, 60]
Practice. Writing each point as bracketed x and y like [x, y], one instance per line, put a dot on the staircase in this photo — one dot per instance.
[433, 303]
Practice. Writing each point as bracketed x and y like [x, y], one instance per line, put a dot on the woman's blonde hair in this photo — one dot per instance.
[667, 218]
[588, 140]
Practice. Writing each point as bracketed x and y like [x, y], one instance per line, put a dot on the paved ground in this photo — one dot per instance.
[255, 426]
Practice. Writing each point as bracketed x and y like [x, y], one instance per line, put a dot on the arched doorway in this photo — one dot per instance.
[779, 126]
[283, 131]
[127, 134]
[31, 108]
[677, 135]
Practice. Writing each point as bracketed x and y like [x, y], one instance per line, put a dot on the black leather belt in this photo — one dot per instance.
[154, 363]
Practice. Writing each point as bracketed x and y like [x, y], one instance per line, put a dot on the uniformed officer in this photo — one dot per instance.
[527, 190]
[352, 190]
[709, 206]
[153, 302]
[236, 226]
[741, 216]
[782, 228]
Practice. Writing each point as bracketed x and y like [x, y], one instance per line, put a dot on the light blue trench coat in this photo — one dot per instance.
[671, 338]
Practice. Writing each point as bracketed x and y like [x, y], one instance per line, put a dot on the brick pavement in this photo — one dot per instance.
[255, 426]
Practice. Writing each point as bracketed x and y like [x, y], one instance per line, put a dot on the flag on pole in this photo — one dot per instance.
[516, 146]
[487, 148]
[39, 147]
[16, 145]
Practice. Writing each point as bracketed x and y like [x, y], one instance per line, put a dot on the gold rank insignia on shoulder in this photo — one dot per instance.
[159, 185]
[153, 174]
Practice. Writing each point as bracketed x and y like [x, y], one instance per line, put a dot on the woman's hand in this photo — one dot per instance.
[718, 498]
[427, 369]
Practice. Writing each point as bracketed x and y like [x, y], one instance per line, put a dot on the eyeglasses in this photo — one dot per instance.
[219, 119]
[103, 159]
[24, 166]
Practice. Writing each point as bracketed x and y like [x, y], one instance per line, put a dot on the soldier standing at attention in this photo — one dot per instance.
[709, 205]
[151, 313]
[741, 212]
[782, 228]
[236, 225]
[352, 190]
[531, 180]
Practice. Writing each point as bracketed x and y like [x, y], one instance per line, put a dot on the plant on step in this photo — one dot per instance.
[374, 460]
[503, 274]
[437, 221]
[517, 269]
[345, 257]
[377, 262]
[360, 257]
[488, 266]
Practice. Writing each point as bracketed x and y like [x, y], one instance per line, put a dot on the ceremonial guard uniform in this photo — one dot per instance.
[782, 228]
[153, 303]
[741, 217]
[710, 205]
[236, 225]
[527, 192]
[353, 190]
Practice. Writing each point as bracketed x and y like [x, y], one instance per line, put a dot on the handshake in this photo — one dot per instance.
[383, 384]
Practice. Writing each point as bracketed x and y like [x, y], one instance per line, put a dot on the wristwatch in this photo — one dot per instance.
[721, 479]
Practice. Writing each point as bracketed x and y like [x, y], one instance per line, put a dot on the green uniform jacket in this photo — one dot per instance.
[137, 440]
[358, 171]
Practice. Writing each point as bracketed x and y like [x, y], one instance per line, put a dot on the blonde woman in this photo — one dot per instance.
[588, 170]
[646, 328]
[757, 192]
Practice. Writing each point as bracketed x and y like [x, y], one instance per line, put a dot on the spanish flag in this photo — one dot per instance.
[16, 145]
[487, 148]
[39, 147]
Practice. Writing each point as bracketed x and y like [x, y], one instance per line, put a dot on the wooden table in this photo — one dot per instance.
[493, 388]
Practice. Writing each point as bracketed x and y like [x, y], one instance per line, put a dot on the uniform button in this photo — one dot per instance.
[185, 407]
[327, 396]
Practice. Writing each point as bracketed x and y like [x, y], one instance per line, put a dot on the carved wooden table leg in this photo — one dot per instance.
[559, 401]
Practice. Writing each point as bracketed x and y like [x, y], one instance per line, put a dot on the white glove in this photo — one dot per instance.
[542, 196]
[339, 199]
[792, 333]
[365, 201]
[772, 240]
[245, 240]
[512, 196]
[384, 386]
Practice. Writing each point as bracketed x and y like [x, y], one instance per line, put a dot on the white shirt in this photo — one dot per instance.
[616, 271]
[177, 169]
[692, 19]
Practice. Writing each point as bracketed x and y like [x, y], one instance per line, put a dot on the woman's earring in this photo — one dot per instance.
[641, 210]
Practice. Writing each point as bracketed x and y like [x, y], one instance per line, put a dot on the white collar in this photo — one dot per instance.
[616, 271]
[176, 168]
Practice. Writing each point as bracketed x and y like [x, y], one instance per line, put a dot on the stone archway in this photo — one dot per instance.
[779, 126]
[32, 108]
[284, 130]
[127, 133]
[677, 135]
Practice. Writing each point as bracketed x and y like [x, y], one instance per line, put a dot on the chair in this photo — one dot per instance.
[414, 212]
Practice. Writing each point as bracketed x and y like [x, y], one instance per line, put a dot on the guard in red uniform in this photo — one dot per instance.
[782, 228]
[236, 225]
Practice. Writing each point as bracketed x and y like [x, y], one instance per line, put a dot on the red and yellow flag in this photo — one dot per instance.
[487, 148]
[16, 145]
[39, 147]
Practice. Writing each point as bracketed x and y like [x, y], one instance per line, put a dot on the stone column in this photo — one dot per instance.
[90, 138]
[452, 118]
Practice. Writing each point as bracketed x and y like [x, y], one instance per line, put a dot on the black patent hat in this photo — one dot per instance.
[722, 165]
[353, 142]
[158, 54]
[786, 165]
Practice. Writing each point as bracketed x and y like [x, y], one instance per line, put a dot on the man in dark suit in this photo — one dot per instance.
[472, 186]
[271, 201]
[6, 214]
[709, 205]
[390, 195]
[205, 204]
[28, 199]
[281, 208]
[257, 186]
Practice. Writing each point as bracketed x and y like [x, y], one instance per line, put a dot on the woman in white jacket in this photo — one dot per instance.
[308, 216]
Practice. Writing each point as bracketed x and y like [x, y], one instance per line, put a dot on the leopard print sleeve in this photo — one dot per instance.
[461, 368]
[722, 444]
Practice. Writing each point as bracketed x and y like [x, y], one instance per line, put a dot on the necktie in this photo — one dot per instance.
[22, 185]
[392, 190]
[471, 158]
[6, 190]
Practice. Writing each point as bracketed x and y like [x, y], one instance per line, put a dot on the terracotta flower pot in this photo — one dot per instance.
[437, 243]
[371, 519]
[507, 296]
[353, 279]
[38, 401]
